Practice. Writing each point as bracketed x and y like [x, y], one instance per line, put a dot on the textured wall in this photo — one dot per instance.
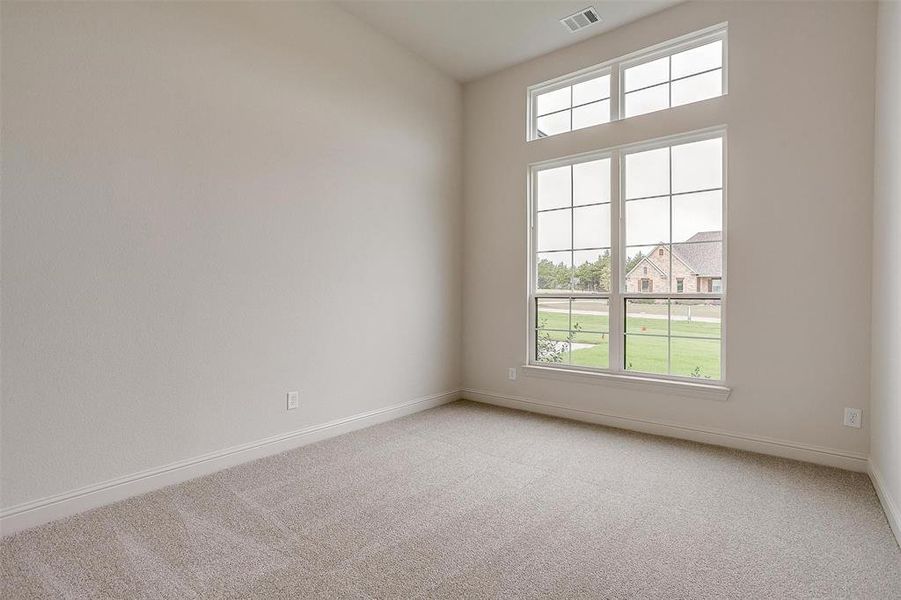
[800, 148]
[206, 205]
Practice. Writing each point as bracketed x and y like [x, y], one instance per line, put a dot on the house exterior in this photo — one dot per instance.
[697, 266]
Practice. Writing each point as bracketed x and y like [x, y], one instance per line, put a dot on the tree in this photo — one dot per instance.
[589, 276]
[594, 276]
[553, 276]
[630, 264]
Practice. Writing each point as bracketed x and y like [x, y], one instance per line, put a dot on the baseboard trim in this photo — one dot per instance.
[892, 512]
[37, 512]
[763, 445]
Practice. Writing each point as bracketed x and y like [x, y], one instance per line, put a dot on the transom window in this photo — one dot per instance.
[628, 272]
[691, 75]
[681, 71]
[572, 107]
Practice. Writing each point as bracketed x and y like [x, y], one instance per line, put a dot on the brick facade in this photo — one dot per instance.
[654, 269]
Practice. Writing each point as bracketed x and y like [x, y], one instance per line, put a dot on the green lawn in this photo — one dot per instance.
[690, 357]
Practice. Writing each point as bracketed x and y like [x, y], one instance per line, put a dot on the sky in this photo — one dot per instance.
[696, 166]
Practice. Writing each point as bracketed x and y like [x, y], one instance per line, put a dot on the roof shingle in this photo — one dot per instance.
[702, 253]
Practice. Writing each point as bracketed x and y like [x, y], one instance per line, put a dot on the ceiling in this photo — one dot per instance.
[470, 38]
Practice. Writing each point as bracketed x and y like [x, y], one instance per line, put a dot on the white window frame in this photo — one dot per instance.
[618, 295]
[569, 80]
[616, 68]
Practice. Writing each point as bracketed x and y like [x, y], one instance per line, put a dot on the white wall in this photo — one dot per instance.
[885, 445]
[800, 134]
[206, 205]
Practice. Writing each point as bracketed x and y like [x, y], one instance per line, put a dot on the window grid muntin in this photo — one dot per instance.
[569, 82]
[670, 295]
[675, 142]
[572, 294]
[571, 333]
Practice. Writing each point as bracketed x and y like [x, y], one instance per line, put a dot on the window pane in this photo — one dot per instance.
[647, 74]
[553, 124]
[591, 182]
[590, 315]
[695, 318]
[697, 213]
[554, 272]
[647, 173]
[698, 165]
[702, 58]
[591, 271]
[553, 101]
[702, 262]
[591, 114]
[647, 221]
[554, 230]
[590, 350]
[648, 100]
[646, 269]
[695, 358]
[554, 188]
[552, 346]
[647, 317]
[552, 313]
[591, 226]
[647, 354]
[591, 90]
[699, 87]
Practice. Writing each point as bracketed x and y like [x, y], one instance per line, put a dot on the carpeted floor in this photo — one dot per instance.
[470, 501]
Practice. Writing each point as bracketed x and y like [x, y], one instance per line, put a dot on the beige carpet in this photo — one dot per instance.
[471, 501]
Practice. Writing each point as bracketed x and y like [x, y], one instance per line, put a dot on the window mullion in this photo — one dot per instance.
[669, 91]
[532, 276]
[669, 282]
[615, 321]
[615, 98]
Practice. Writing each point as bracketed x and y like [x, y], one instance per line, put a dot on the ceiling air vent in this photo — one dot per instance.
[581, 20]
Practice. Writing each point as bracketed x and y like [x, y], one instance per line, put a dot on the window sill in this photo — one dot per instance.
[671, 387]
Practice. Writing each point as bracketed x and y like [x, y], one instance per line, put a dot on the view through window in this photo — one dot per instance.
[646, 297]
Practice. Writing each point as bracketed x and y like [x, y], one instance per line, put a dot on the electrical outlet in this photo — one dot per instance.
[511, 374]
[293, 400]
[852, 417]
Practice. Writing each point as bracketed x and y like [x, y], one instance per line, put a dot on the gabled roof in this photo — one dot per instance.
[650, 262]
[706, 236]
[702, 259]
[705, 260]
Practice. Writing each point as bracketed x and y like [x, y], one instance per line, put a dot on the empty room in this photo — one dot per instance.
[503, 299]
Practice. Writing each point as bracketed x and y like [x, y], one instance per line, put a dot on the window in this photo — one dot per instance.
[691, 75]
[574, 106]
[572, 263]
[645, 296]
[681, 71]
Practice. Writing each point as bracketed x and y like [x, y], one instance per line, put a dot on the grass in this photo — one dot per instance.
[644, 353]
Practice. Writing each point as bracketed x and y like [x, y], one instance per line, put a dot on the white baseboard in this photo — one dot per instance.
[43, 510]
[841, 459]
[891, 509]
